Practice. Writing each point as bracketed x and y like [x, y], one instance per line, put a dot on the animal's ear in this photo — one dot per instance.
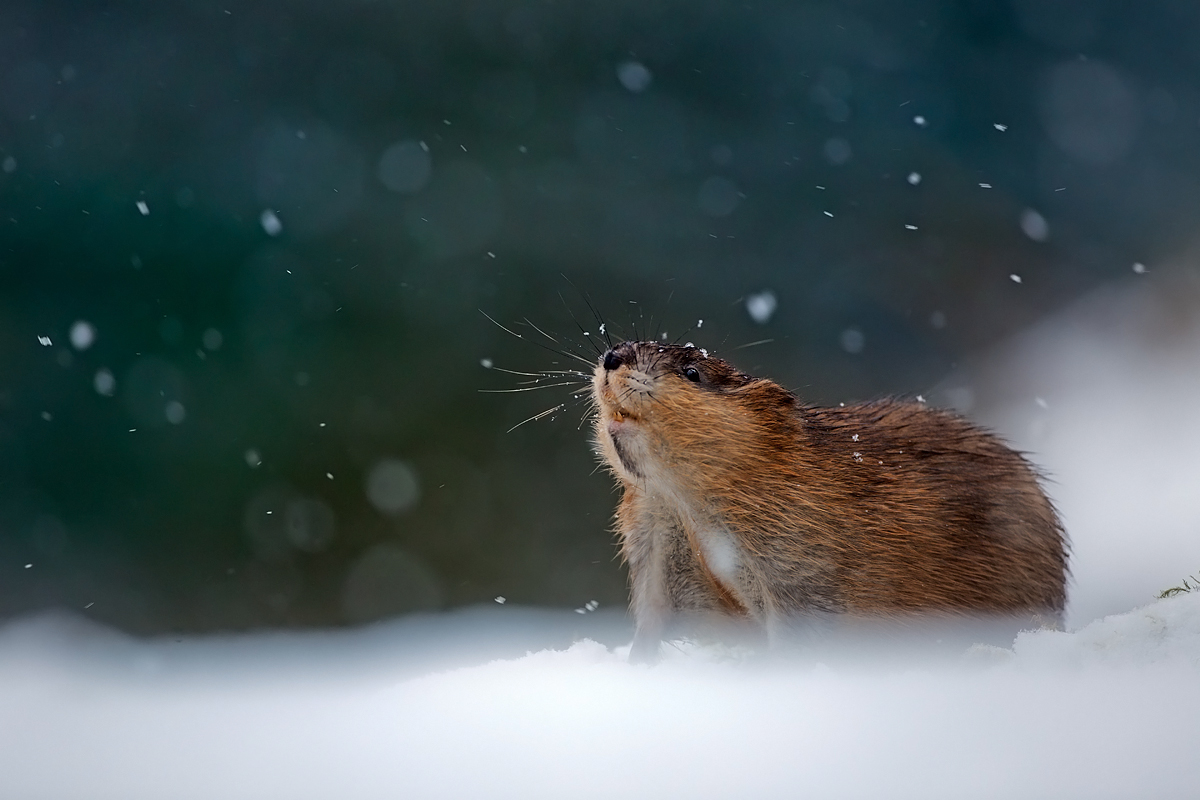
[768, 394]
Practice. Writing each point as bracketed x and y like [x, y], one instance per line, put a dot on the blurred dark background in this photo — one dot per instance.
[244, 247]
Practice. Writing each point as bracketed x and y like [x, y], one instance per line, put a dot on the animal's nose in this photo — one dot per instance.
[611, 360]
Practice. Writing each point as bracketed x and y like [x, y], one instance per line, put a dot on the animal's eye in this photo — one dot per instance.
[692, 374]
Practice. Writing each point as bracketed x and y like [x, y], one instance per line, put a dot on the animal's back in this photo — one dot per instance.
[942, 515]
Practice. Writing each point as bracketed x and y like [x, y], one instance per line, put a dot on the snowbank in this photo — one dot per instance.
[1109, 711]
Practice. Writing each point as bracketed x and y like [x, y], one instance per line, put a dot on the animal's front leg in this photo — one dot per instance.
[650, 603]
[646, 547]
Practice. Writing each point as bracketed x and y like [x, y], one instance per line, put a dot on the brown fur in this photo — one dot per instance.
[739, 501]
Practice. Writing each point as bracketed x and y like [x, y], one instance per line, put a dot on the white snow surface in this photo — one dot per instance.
[1109, 711]
[508, 702]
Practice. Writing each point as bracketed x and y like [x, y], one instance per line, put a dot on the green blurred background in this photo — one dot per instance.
[244, 247]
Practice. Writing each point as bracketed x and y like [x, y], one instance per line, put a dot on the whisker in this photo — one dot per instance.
[639, 334]
[544, 373]
[750, 344]
[576, 381]
[569, 346]
[589, 411]
[594, 346]
[556, 351]
[626, 394]
[501, 327]
[679, 338]
[538, 416]
[527, 388]
[569, 354]
[539, 330]
[599, 320]
[566, 353]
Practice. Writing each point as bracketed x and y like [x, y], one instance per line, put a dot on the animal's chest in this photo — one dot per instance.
[682, 544]
[675, 532]
[718, 550]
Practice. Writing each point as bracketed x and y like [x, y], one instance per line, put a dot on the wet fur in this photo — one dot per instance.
[741, 503]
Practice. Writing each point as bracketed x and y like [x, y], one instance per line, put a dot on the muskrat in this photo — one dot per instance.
[740, 502]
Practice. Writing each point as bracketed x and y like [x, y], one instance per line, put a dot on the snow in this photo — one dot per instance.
[175, 412]
[270, 222]
[634, 76]
[412, 709]
[406, 166]
[83, 335]
[761, 306]
[1034, 225]
[392, 485]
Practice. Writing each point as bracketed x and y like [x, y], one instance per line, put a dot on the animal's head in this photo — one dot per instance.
[664, 409]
